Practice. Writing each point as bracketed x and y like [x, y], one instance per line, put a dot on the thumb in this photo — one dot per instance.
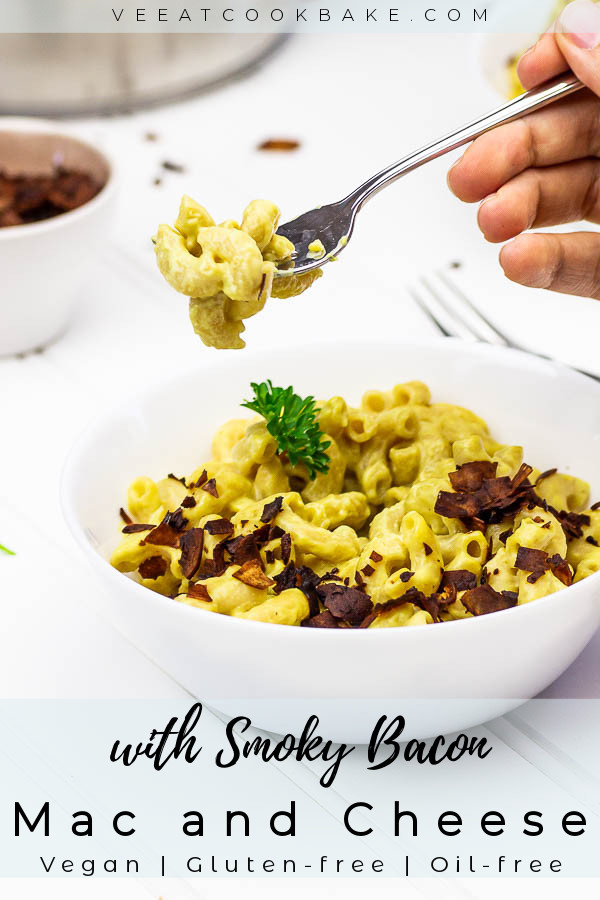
[577, 33]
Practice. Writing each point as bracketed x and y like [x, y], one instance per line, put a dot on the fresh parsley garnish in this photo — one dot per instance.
[292, 420]
[6, 550]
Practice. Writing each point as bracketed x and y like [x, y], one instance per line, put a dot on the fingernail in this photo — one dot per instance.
[580, 22]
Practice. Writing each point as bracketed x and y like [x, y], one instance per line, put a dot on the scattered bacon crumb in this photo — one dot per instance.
[192, 544]
[484, 599]
[461, 579]
[201, 480]
[283, 145]
[163, 534]
[322, 620]
[375, 556]
[286, 548]
[271, 509]
[125, 516]
[198, 591]
[135, 528]
[252, 575]
[153, 567]
[219, 526]
[211, 487]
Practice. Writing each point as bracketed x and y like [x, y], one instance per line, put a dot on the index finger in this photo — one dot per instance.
[542, 61]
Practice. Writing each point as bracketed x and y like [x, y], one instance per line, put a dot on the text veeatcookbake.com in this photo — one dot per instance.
[240, 14]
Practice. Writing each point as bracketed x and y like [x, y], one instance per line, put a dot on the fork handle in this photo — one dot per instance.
[526, 103]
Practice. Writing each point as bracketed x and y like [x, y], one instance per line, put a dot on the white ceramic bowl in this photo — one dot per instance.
[447, 676]
[44, 264]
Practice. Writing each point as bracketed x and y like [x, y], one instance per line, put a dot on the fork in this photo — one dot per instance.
[333, 224]
[454, 314]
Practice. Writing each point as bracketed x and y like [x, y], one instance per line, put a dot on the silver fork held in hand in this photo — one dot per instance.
[510, 112]
[333, 224]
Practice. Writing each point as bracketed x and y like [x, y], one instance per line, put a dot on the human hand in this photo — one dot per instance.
[544, 169]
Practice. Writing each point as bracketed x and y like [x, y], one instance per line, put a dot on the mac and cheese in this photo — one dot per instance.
[422, 517]
[226, 270]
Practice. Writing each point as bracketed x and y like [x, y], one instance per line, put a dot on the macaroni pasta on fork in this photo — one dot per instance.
[227, 269]
[420, 516]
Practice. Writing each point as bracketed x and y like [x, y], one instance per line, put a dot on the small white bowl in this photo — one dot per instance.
[44, 264]
[443, 677]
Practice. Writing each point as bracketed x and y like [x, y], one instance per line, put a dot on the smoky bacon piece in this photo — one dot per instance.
[302, 578]
[271, 509]
[32, 198]
[592, 540]
[199, 591]
[164, 534]
[522, 475]
[243, 548]
[456, 505]
[432, 604]
[192, 544]
[153, 567]
[201, 480]
[177, 478]
[216, 565]
[322, 620]
[491, 500]
[219, 526]
[531, 560]
[561, 569]
[252, 574]
[286, 548]
[136, 528]
[210, 487]
[265, 533]
[368, 570]
[188, 502]
[484, 599]
[281, 145]
[595, 506]
[125, 516]
[405, 576]
[470, 476]
[375, 556]
[538, 561]
[572, 523]
[176, 520]
[345, 603]
[461, 579]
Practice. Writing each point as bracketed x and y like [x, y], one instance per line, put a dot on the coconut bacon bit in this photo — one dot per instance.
[282, 145]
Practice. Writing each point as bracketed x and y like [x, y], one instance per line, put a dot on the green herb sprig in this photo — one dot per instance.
[292, 420]
[4, 549]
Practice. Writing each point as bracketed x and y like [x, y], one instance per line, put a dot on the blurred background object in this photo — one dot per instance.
[78, 74]
[46, 264]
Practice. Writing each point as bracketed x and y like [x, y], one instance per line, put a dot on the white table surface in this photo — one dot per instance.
[52, 643]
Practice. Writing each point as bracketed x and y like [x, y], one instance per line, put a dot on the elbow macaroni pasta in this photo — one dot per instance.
[226, 270]
[368, 525]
